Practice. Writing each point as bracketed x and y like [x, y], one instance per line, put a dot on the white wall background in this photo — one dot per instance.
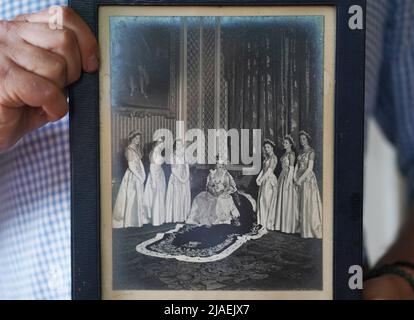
[383, 193]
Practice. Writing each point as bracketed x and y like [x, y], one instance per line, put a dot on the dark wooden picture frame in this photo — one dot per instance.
[348, 146]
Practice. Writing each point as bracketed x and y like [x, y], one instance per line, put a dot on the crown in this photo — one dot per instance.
[304, 133]
[290, 138]
[134, 133]
[268, 141]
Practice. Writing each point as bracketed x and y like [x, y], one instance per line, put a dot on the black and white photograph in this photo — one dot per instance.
[217, 132]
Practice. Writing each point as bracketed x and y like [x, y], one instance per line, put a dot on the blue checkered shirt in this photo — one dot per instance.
[35, 175]
[35, 203]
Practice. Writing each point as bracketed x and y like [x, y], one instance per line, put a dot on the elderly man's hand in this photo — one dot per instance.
[393, 287]
[36, 64]
[388, 287]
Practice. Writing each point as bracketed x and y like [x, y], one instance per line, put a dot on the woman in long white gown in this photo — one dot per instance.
[287, 215]
[178, 201]
[215, 205]
[267, 182]
[154, 194]
[310, 205]
[129, 205]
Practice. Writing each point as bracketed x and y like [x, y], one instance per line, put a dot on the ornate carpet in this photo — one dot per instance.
[192, 243]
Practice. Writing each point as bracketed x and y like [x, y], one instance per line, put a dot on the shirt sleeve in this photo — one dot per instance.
[394, 105]
[34, 207]
[12, 8]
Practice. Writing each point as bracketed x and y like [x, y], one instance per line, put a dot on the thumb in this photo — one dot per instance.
[387, 287]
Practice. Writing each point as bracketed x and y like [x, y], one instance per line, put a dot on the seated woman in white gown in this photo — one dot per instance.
[221, 220]
[215, 205]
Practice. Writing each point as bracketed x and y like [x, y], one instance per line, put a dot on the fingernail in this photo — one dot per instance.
[93, 63]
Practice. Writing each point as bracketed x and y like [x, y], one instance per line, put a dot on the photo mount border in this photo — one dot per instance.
[348, 145]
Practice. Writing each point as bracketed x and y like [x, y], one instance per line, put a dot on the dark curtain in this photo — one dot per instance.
[272, 83]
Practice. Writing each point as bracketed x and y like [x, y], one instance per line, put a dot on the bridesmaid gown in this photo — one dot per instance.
[287, 215]
[129, 205]
[266, 207]
[178, 201]
[154, 194]
[310, 205]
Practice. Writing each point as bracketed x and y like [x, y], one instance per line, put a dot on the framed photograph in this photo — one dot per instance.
[218, 153]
